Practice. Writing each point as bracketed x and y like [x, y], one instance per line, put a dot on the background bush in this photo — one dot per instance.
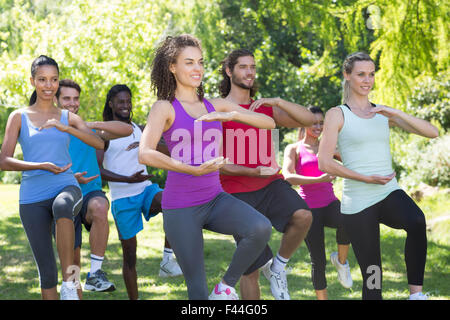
[299, 47]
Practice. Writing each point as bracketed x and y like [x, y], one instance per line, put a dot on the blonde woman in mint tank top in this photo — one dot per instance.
[360, 130]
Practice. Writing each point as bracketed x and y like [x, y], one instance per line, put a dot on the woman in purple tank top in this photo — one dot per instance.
[316, 188]
[193, 198]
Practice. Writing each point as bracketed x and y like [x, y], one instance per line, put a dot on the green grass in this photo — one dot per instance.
[19, 279]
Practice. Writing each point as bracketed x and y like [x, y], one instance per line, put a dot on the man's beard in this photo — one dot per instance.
[122, 118]
[240, 84]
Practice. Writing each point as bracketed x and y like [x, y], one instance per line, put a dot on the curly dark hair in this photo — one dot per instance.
[162, 79]
[107, 111]
[230, 62]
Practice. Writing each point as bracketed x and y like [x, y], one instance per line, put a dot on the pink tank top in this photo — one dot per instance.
[316, 195]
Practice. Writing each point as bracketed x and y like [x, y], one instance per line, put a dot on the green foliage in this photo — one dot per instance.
[436, 165]
[4, 113]
[98, 44]
[412, 41]
[299, 47]
[159, 176]
[406, 38]
[418, 160]
[13, 177]
[20, 281]
[431, 100]
[287, 52]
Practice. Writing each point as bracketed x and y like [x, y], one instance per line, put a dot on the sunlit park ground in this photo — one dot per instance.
[19, 279]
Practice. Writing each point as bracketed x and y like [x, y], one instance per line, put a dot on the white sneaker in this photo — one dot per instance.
[68, 292]
[418, 296]
[228, 294]
[169, 268]
[278, 282]
[343, 270]
[344, 275]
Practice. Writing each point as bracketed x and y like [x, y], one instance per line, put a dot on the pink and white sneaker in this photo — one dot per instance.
[228, 294]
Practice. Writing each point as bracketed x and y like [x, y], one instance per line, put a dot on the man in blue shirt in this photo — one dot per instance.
[94, 212]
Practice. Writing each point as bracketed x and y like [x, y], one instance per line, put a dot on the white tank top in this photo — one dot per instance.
[121, 157]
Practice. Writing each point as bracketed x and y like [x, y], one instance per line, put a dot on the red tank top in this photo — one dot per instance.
[250, 147]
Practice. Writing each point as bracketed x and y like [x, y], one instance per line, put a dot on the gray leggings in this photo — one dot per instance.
[37, 220]
[224, 214]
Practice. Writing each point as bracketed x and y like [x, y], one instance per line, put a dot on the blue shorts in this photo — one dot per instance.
[127, 212]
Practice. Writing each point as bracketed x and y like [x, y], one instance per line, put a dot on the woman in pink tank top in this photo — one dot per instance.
[193, 198]
[301, 168]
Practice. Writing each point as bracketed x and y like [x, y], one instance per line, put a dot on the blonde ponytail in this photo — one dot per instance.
[345, 91]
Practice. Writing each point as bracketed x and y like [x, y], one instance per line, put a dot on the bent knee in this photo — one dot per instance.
[260, 230]
[264, 229]
[417, 222]
[302, 218]
[98, 210]
[68, 203]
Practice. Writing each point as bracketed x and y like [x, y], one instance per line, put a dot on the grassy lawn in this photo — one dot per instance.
[19, 279]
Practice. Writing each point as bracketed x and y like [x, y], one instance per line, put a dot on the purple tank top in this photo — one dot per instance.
[192, 143]
[316, 195]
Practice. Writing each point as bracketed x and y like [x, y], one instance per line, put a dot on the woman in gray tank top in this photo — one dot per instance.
[371, 194]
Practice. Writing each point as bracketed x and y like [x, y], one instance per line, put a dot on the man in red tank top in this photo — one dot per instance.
[254, 175]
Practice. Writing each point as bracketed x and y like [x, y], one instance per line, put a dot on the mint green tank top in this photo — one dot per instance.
[364, 148]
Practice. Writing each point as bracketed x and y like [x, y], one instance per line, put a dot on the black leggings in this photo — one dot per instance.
[329, 216]
[397, 211]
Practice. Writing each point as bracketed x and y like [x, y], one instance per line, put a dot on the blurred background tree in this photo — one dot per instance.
[299, 47]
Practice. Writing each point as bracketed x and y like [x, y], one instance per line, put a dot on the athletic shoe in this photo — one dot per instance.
[98, 282]
[68, 291]
[269, 263]
[169, 268]
[278, 282]
[418, 296]
[228, 294]
[266, 268]
[343, 270]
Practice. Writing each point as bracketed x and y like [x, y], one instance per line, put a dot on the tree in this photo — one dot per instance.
[299, 46]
